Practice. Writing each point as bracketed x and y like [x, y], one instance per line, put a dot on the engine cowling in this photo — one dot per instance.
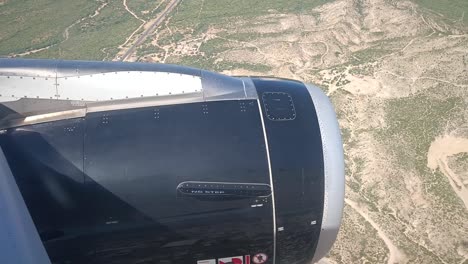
[131, 161]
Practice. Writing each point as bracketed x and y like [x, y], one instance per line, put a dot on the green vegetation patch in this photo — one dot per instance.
[412, 124]
[461, 158]
[230, 65]
[438, 184]
[96, 38]
[145, 9]
[214, 46]
[459, 164]
[244, 36]
[364, 69]
[210, 63]
[373, 53]
[28, 25]
[149, 49]
[454, 10]
[199, 14]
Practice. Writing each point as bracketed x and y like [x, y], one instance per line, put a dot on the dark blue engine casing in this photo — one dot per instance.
[215, 167]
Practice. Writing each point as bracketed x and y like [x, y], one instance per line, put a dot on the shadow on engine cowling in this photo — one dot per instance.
[81, 221]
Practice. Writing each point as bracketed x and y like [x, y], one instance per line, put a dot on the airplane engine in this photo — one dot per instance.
[109, 162]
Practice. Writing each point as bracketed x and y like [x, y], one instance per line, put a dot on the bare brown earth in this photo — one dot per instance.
[398, 77]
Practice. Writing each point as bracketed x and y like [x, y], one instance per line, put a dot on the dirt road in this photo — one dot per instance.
[394, 255]
[151, 28]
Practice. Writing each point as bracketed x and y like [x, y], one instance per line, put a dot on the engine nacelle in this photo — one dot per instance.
[125, 162]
